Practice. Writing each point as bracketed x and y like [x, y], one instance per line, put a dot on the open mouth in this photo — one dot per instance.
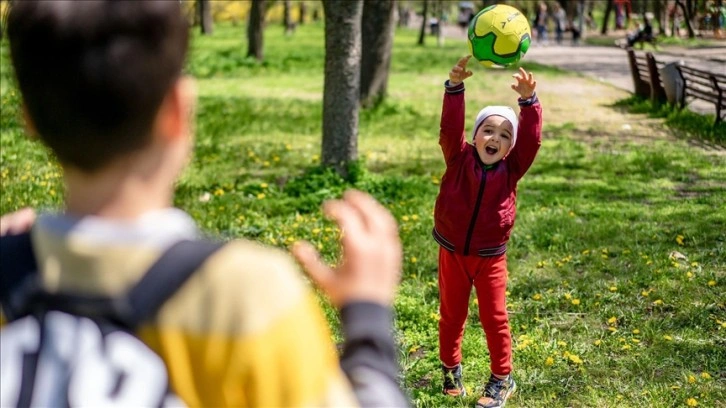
[491, 150]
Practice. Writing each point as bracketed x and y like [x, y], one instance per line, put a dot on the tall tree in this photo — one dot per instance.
[287, 17]
[377, 39]
[689, 11]
[342, 83]
[303, 10]
[606, 17]
[204, 10]
[424, 17]
[255, 29]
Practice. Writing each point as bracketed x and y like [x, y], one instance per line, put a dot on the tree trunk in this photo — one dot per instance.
[606, 17]
[658, 11]
[303, 9]
[287, 17]
[377, 39]
[205, 16]
[342, 83]
[422, 35]
[687, 17]
[255, 29]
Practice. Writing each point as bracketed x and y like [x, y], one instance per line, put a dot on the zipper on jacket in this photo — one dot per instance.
[474, 216]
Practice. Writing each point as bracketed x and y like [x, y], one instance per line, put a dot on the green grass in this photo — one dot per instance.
[617, 261]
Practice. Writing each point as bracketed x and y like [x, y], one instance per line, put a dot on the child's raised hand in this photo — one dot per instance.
[525, 83]
[459, 73]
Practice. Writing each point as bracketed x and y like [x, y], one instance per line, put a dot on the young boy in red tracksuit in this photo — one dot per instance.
[473, 218]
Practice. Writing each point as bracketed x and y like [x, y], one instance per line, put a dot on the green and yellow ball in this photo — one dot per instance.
[499, 35]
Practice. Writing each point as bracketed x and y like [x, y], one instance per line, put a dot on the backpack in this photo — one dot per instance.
[65, 349]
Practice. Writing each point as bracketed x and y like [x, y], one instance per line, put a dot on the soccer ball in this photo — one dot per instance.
[499, 35]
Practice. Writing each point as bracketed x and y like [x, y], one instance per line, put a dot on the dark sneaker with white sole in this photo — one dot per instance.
[496, 392]
[452, 382]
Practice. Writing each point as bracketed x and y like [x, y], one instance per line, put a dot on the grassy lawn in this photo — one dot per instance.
[617, 261]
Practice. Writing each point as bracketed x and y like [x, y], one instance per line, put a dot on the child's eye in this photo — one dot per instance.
[505, 136]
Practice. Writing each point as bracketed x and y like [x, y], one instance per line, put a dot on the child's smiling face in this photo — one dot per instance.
[493, 139]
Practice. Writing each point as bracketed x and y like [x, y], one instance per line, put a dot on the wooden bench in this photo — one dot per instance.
[706, 86]
[646, 79]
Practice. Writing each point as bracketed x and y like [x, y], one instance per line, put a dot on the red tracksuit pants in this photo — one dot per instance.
[457, 274]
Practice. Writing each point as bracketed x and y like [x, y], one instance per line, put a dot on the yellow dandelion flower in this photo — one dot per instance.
[265, 164]
[250, 154]
[645, 293]
[288, 146]
[260, 196]
[689, 274]
[675, 387]
[568, 296]
[316, 231]
[404, 218]
[619, 397]
[537, 296]
[636, 331]
[276, 159]
[612, 320]
[705, 375]
[576, 302]
[691, 379]
[597, 342]
[413, 349]
[413, 259]
[636, 341]
[414, 217]
[679, 239]
[263, 185]
[667, 337]
[320, 246]
[435, 316]
[585, 252]
[712, 283]
[476, 301]
[658, 302]
[561, 343]
[575, 359]
[507, 293]
[626, 347]
[549, 361]
[691, 402]
[218, 192]
[613, 288]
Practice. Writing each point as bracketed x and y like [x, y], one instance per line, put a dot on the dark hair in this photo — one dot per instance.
[93, 74]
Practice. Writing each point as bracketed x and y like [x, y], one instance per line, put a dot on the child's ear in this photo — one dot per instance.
[30, 129]
[177, 110]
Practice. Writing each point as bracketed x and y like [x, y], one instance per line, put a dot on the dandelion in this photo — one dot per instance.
[219, 192]
[705, 375]
[712, 283]
[537, 296]
[266, 163]
[404, 218]
[568, 296]
[476, 301]
[575, 359]
[413, 259]
[263, 185]
[414, 217]
[626, 347]
[549, 361]
[691, 379]
[613, 288]
[612, 329]
[316, 231]
[576, 302]
[658, 302]
[585, 252]
[636, 341]
[691, 402]
[413, 349]
[288, 146]
[597, 342]
[435, 316]
[645, 293]
[561, 343]
[260, 196]
[679, 239]
[636, 331]
[613, 320]
[667, 337]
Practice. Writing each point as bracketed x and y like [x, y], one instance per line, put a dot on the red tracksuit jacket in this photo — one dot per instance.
[475, 209]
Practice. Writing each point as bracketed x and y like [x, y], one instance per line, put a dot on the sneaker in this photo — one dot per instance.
[452, 381]
[496, 392]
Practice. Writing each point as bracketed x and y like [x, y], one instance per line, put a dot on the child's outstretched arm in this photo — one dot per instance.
[529, 134]
[451, 135]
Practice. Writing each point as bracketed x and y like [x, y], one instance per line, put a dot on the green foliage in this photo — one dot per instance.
[617, 262]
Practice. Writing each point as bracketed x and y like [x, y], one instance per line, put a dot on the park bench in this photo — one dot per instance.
[646, 79]
[706, 86]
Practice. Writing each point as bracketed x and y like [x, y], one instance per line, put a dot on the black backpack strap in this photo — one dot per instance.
[164, 278]
[139, 304]
[17, 269]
